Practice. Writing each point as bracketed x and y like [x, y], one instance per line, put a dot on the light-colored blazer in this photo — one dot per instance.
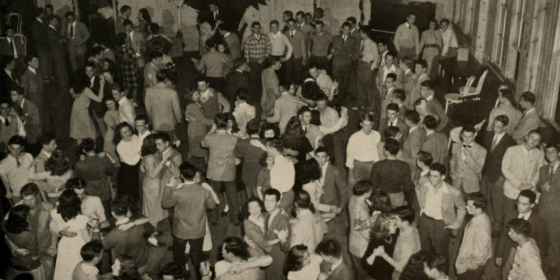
[33, 86]
[521, 169]
[81, 35]
[410, 99]
[162, 107]
[468, 172]
[531, 120]
[452, 205]
[476, 247]
[285, 107]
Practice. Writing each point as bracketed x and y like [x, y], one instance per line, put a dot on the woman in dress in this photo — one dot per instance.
[127, 65]
[19, 233]
[67, 216]
[382, 241]
[221, 47]
[144, 21]
[307, 227]
[431, 43]
[81, 124]
[205, 32]
[111, 119]
[196, 130]
[301, 264]
[254, 226]
[128, 149]
[151, 184]
[309, 177]
[57, 172]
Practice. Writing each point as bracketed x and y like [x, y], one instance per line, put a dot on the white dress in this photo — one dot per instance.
[68, 247]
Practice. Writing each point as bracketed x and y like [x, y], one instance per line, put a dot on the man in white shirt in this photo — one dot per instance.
[282, 174]
[126, 109]
[527, 264]
[10, 124]
[450, 44]
[244, 112]
[361, 151]
[14, 169]
[142, 126]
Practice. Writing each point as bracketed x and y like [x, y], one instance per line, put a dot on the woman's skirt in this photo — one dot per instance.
[128, 180]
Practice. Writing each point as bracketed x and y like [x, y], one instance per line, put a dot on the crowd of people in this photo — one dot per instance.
[329, 153]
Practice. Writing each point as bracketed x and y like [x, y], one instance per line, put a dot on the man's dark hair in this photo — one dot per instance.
[19, 90]
[29, 189]
[127, 22]
[366, 117]
[187, 170]
[439, 167]
[425, 158]
[252, 127]
[292, 20]
[302, 110]
[392, 76]
[300, 13]
[16, 140]
[161, 76]
[428, 84]
[535, 131]
[412, 116]
[164, 137]
[528, 97]
[352, 20]
[468, 128]
[273, 192]
[155, 55]
[503, 119]
[7, 59]
[242, 94]
[91, 250]
[237, 247]
[435, 261]
[430, 122]
[238, 62]
[87, 145]
[391, 132]
[276, 143]
[290, 14]
[422, 64]
[366, 31]
[399, 94]
[478, 199]
[221, 121]
[67, 14]
[274, 22]
[119, 207]
[444, 21]
[393, 107]
[154, 28]
[405, 213]
[319, 12]
[531, 195]
[142, 117]
[328, 247]
[321, 150]
[201, 78]
[255, 24]
[125, 9]
[319, 22]
[520, 226]
[392, 146]
[346, 24]
[97, 50]
[362, 187]
[30, 57]
[174, 269]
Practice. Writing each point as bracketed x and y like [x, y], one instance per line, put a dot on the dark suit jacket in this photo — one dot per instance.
[6, 48]
[342, 51]
[334, 188]
[403, 128]
[493, 164]
[6, 83]
[411, 146]
[538, 232]
[56, 49]
[99, 107]
[434, 106]
[436, 145]
[251, 156]
[234, 81]
[342, 271]
[392, 176]
[40, 36]
[33, 85]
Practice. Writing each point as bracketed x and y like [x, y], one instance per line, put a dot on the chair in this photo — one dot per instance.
[454, 136]
[478, 126]
[470, 90]
[24, 40]
[454, 98]
[14, 20]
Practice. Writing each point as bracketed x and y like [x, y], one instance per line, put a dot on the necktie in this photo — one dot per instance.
[292, 34]
[6, 122]
[305, 129]
[343, 39]
[215, 16]
[466, 146]
[392, 123]
[551, 173]
[13, 46]
[72, 31]
[494, 142]
[18, 163]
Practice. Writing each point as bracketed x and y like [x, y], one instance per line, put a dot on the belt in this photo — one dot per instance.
[431, 46]
[368, 62]
[430, 218]
[364, 161]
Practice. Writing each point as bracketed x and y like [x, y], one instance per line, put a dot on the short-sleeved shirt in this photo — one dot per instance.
[94, 170]
[16, 172]
[221, 160]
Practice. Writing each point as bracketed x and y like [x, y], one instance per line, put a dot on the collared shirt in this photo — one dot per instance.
[32, 70]
[449, 40]
[394, 122]
[412, 129]
[15, 172]
[53, 27]
[525, 216]
[257, 47]
[386, 70]
[498, 137]
[369, 51]
[335, 265]
[362, 147]
[122, 222]
[282, 174]
[434, 197]
[129, 151]
[21, 128]
[272, 215]
[320, 43]
[476, 247]
[527, 263]
[323, 173]
[407, 36]
[126, 111]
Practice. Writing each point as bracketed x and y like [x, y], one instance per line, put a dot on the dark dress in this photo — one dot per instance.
[381, 269]
[303, 147]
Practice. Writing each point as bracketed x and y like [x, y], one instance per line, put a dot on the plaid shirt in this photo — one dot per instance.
[256, 49]
[129, 71]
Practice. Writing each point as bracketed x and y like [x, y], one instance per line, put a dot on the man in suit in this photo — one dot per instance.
[342, 51]
[294, 65]
[398, 97]
[393, 176]
[163, 107]
[251, 156]
[507, 107]
[363, 83]
[39, 30]
[152, 68]
[409, 78]
[57, 52]
[305, 28]
[8, 76]
[520, 166]
[320, 16]
[435, 142]
[420, 68]
[136, 41]
[443, 212]
[433, 105]
[174, 159]
[270, 86]
[97, 109]
[392, 119]
[335, 193]
[333, 263]
[239, 78]
[312, 132]
[355, 32]
[231, 40]
[413, 143]
[77, 36]
[530, 118]
[278, 228]
[387, 66]
[467, 161]
[496, 143]
[505, 249]
[423, 162]
[216, 16]
[13, 46]
[28, 113]
[389, 86]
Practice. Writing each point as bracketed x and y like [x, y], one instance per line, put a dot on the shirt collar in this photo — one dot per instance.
[122, 100]
[32, 70]
[423, 173]
[430, 97]
[227, 34]
[53, 27]
[529, 110]
[122, 222]
[443, 189]
[46, 153]
[335, 265]
[185, 184]
[39, 20]
[526, 215]
[407, 24]
[412, 129]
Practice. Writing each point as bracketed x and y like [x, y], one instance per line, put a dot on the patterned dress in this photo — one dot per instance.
[128, 69]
